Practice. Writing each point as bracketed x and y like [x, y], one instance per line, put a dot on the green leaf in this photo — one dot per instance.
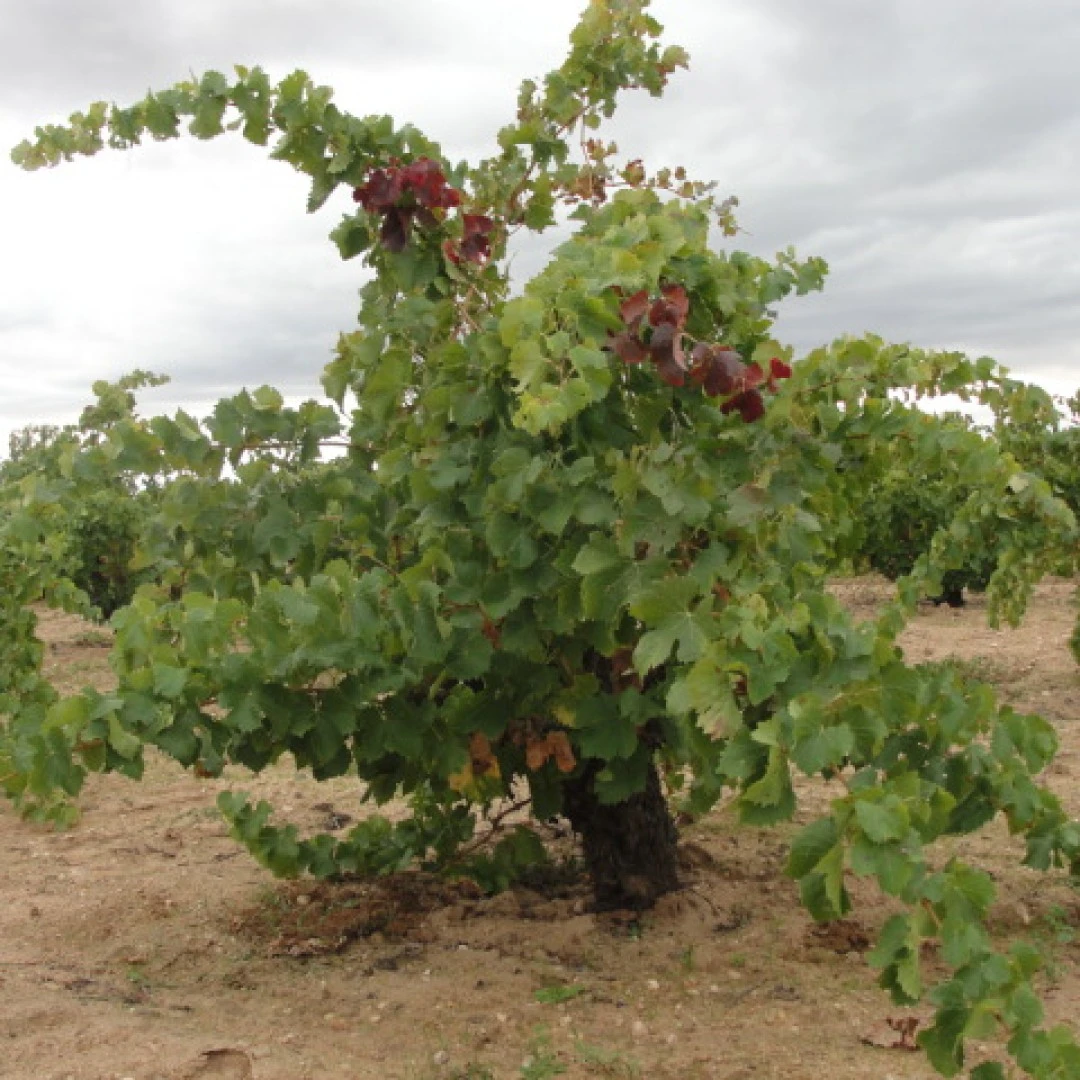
[123, 742]
[770, 798]
[69, 714]
[688, 630]
[622, 777]
[829, 747]
[944, 1041]
[267, 399]
[510, 538]
[660, 600]
[604, 730]
[599, 553]
[882, 821]
[811, 845]
[169, 681]
[352, 237]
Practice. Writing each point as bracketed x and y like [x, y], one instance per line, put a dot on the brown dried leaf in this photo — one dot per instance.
[555, 745]
[480, 754]
[904, 1026]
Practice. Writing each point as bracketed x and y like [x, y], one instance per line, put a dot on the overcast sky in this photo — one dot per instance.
[928, 149]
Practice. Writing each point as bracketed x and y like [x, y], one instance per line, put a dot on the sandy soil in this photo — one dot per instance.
[144, 943]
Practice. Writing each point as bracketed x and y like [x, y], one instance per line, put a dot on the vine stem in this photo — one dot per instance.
[496, 824]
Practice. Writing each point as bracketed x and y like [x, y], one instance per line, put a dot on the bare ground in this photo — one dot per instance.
[144, 943]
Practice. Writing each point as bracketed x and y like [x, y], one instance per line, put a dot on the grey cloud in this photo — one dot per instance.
[62, 48]
[962, 86]
[58, 55]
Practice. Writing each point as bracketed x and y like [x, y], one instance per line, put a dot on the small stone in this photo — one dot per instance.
[653, 984]
[441, 1057]
[639, 1029]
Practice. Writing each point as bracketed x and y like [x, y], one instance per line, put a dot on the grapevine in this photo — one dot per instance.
[575, 553]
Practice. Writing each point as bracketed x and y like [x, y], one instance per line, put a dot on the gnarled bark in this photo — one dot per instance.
[629, 847]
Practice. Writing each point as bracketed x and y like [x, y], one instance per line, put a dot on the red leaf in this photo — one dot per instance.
[423, 179]
[424, 218]
[629, 348]
[426, 180]
[778, 369]
[749, 404]
[676, 296]
[633, 308]
[663, 314]
[394, 233]
[671, 308]
[700, 362]
[476, 224]
[381, 192]
[725, 372]
[752, 376]
[476, 245]
[476, 249]
[665, 348]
